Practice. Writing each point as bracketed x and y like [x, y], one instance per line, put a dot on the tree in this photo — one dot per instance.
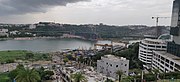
[45, 75]
[27, 75]
[42, 74]
[108, 80]
[78, 77]
[48, 75]
[119, 73]
[12, 74]
[70, 57]
[156, 72]
[132, 54]
[29, 56]
[65, 60]
[80, 59]
[127, 79]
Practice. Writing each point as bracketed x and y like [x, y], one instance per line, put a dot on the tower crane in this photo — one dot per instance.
[158, 30]
[157, 19]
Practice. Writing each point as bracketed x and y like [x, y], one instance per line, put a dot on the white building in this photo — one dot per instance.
[146, 48]
[3, 32]
[109, 65]
[14, 32]
[32, 26]
[165, 62]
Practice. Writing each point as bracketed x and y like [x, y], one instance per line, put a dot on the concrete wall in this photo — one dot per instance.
[110, 67]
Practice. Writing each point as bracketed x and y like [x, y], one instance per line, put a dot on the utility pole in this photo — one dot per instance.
[142, 76]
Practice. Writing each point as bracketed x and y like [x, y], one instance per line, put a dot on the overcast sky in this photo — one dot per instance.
[113, 12]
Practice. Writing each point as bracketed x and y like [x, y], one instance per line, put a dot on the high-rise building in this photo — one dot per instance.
[174, 47]
[175, 21]
[146, 48]
[170, 61]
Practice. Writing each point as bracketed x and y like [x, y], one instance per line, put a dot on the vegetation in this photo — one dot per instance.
[132, 54]
[127, 79]
[108, 80]
[11, 56]
[45, 75]
[21, 74]
[156, 73]
[4, 77]
[87, 31]
[27, 75]
[38, 56]
[78, 77]
[65, 60]
[163, 76]
[119, 73]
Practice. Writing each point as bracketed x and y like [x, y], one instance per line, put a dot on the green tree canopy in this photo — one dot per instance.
[78, 77]
[27, 75]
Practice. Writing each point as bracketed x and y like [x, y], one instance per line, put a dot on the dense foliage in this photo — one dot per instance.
[132, 54]
[78, 77]
[87, 31]
[22, 74]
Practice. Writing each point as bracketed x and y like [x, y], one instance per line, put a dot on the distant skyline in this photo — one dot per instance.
[111, 12]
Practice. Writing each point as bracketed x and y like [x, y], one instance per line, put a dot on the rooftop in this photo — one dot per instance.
[114, 58]
[154, 41]
[168, 55]
[165, 37]
[88, 72]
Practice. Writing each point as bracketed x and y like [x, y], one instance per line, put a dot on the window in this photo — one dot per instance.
[161, 66]
[149, 58]
[158, 46]
[111, 65]
[177, 66]
[162, 62]
[151, 46]
[175, 70]
[163, 46]
[171, 67]
[125, 64]
[172, 63]
[116, 65]
[167, 65]
[167, 61]
[162, 58]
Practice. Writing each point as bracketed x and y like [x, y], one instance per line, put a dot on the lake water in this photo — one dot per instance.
[45, 45]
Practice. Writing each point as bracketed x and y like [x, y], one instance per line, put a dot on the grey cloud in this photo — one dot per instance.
[16, 7]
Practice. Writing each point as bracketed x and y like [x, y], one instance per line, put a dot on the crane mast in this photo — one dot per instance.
[157, 19]
[158, 29]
